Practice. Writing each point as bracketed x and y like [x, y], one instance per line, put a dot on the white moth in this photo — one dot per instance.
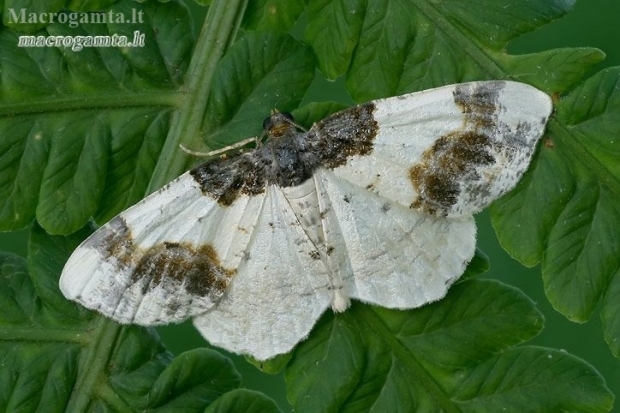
[373, 203]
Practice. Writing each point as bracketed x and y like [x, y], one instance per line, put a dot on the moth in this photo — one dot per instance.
[373, 203]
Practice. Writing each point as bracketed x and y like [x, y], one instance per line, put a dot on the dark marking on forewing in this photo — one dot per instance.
[456, 157]
[113, 240]
[437, 178]
[197, 269]
[290, 157]
[314, 255]
[348, 133]
[479, 104]
[224, 179]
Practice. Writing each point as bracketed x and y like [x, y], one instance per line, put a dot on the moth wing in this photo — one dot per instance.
[279, 292]
[167, 258]
[398, 257]
[448, 151]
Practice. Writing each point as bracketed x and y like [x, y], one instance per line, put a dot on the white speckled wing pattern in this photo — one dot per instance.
[372, 203]
[281, 289]
[167, 258]
[398, 257]
[453, 150]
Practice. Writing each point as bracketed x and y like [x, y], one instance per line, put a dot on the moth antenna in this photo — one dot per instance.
[225, 149]
[297, 125]
[289, 119]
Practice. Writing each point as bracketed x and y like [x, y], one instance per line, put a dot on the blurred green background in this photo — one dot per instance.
[593, 23]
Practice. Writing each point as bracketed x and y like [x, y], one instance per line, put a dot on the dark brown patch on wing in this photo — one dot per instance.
[196, 269]
[478, 104]
[224, 179]
[437, 177]
[315, 255]
[350, 132]
[115, 240]
[456, 157]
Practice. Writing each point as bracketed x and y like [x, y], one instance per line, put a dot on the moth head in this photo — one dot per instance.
[279, 124]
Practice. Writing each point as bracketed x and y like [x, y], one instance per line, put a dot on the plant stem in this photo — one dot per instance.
[93, 364]
[218, 32]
